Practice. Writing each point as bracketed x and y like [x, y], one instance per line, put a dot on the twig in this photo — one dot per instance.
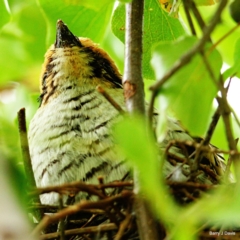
[196, 14]
[81, 186]
[198, 145]
[101, 204]
[209, 68]
[193, 185]
[25, 147]
[215, 118]
[124, 224]
[212, 126]
[224, 37]
[150, 109]
[111, 216]
[110, 99]
[189, 18]
[61, 224]
[186, 58]
[229, 163]
[93, 229]
[226, 111]
[26, 157]
[198, 155]
[65, 188]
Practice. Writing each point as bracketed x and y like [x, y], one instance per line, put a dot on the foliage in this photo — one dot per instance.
[28, 29]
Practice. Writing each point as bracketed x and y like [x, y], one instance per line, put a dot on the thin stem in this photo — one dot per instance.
[27, 159]
[109, 99]
[186, 58]
[224, 37]
[189, 18]
[196, 14]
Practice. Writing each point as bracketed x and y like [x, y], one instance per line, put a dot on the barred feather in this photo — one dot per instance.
[70, 135]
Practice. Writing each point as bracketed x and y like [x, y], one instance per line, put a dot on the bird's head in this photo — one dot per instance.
[72, 61]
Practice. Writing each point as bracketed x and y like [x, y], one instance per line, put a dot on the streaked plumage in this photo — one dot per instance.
[70, 134]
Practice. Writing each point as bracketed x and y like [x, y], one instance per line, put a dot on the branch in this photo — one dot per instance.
[134, 95]
[81, 186]
[226, 112]
[85, 230]
[25, 148]
[110, 99]
[189, 18]
[101, 204]
[186, 58]
[26, 157]
[132, 78]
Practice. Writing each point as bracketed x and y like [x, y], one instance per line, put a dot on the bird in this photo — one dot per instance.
[70, 135]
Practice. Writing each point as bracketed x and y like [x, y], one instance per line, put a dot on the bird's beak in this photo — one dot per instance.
[64, 37]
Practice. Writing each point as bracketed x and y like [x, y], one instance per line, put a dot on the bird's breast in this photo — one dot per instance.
[70, 138]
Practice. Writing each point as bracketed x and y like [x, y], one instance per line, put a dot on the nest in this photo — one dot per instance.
[109, 216]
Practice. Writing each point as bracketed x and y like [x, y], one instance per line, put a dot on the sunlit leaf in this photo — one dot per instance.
[225, 47]
[190, 92]
[82, 21]
[93, 4]
[235, 69]
[158, 26]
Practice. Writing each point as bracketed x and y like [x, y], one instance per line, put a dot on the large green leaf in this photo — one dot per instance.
[158, 26]
[82, 21]
[93, 4]
[140, 149]
[190, 92]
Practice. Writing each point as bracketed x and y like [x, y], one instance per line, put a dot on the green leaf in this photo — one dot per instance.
[82, 21]
[235, 69]
[141, 151]
[190, 92]
[92, 4]
[5, 16]
[22, 43]
[158, 26]
[225, 47]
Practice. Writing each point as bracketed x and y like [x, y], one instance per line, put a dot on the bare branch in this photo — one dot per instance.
[186, 58]
[26, 157]
[132, 78]
[101, 204]
[92, 229]
[110, 99]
